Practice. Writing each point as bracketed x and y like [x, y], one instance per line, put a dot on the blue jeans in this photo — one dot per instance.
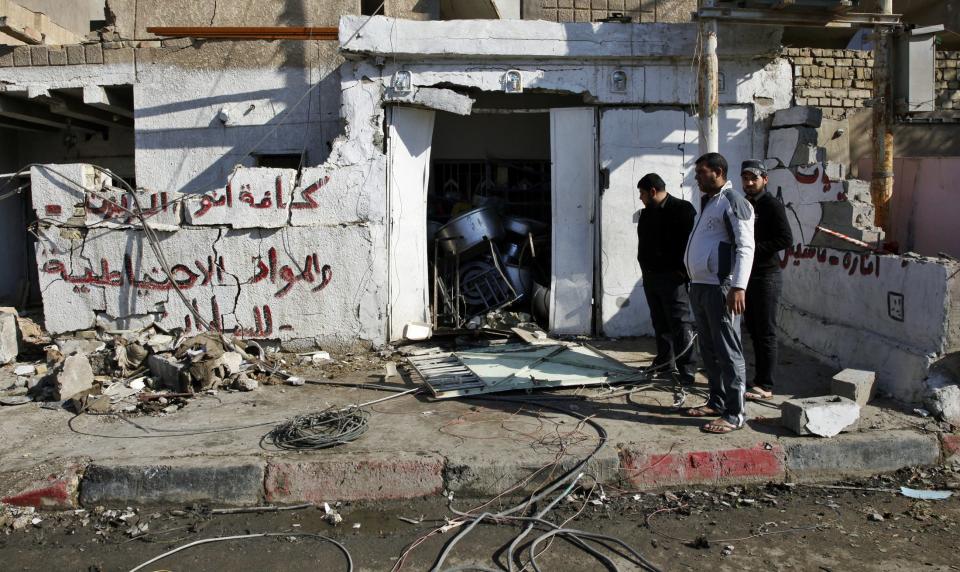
[721, 351]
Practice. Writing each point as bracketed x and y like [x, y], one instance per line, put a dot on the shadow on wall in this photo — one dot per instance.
[205, 109]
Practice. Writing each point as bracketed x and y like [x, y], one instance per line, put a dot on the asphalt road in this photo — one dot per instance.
[772, 527]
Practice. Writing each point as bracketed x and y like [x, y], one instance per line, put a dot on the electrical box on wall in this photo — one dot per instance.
[914, 70]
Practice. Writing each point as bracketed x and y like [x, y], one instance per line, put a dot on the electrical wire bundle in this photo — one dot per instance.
[321, 430]
[529, 513]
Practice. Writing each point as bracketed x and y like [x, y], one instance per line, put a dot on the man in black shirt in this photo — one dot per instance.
[664, 226]
[771, 234]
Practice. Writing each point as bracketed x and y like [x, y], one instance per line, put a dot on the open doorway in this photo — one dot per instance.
[489, 215]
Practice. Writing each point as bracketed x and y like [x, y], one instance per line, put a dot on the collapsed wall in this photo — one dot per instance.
[845, 302]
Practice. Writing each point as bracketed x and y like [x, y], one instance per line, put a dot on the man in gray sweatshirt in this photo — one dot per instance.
[718, 258]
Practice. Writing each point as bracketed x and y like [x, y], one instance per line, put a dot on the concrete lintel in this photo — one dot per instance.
[539, 39]
[99, 97]
[32, 27]
[434, 98]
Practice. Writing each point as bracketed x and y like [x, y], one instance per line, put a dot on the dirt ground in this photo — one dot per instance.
[771, 527]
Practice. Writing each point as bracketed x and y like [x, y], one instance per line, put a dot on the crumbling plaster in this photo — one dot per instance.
[185, 146]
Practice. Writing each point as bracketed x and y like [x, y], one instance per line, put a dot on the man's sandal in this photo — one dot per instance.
[719, 427]
[758, 394]
[702, 411]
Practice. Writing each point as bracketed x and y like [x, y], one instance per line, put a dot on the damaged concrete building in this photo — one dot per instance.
[293, 185]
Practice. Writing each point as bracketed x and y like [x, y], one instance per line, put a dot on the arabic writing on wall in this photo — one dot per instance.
[866, 263]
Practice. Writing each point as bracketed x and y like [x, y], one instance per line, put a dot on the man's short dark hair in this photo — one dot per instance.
[714, 162]
[652, 182]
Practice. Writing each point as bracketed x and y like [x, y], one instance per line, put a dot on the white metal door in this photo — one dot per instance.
[573, 154]
[408, 172]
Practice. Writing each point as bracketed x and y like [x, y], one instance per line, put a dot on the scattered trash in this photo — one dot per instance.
[925, 495]
[875, 517]
[356, 525]
[727, 550]
[294, 380]
[417, 331]
[331, 516]
[390, 370]
[921, 412]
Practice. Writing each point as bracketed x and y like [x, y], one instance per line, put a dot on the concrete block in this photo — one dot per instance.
[21, 56]
[57, 57]
[55, 492]
[75, 55]
[166, 369]
[855, 384]
[799, 116]
[39, 56]
[824, 416]
[118, 56]
[9, 336]
[70, 346]
[73, 376]
[220, 481]
[93, 53]
[370, 476]
[944, 402]
[859, 454]
[6, 56]
[792, 145]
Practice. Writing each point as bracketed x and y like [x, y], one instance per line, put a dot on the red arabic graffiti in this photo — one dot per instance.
[207, 272]
[311, 270]
[866, 263]
[109, 209]
[246, 196]
[810, 179]
[262, 321]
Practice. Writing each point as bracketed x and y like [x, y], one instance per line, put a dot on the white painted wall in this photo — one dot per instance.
[634, 142]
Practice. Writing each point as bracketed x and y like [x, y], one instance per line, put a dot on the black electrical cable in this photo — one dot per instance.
[321, 430]
[569, 479]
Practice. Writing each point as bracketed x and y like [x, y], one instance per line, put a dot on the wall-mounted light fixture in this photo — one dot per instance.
[512, 82]
[618, 81]
[402, 81]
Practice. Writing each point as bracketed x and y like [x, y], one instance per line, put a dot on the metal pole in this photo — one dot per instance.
[708, 92]
[881, 183]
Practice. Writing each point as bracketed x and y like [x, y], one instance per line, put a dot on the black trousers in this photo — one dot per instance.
[669, 305]
[763, 297]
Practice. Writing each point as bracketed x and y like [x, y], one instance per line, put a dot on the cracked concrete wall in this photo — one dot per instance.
[262, 252]
[846, 305]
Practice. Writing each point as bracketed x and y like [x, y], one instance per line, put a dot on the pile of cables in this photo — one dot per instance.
[321, 430]
[529, 513]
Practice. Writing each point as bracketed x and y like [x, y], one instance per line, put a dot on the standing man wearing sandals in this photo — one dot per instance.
[771, 235]
[718, 258]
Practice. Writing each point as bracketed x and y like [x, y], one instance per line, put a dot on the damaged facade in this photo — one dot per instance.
[289, 182]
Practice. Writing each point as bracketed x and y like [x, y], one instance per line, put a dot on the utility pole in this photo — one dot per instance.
[881, 183]
[708, 87]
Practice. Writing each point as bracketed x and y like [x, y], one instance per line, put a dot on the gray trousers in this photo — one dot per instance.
[721, 350]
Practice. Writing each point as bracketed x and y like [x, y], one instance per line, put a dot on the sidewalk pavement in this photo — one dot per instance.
[212, 451]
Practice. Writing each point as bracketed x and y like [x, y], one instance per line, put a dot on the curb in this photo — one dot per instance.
[354, 476]
[212, 480]
[379, 476]
[643, 469]
[860, 454]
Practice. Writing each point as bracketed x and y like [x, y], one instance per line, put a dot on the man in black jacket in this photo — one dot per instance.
[664, 226]
[772, 234]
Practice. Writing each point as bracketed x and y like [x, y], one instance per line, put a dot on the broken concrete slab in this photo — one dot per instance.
[799, 116]
[858, 385]
[9, 336]
[243, 382]
[824, 416]
[944, 403]
[167, 370]
[793, 146]
[231, 361]
[79, 346]
[73, 376]
[434, 98]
